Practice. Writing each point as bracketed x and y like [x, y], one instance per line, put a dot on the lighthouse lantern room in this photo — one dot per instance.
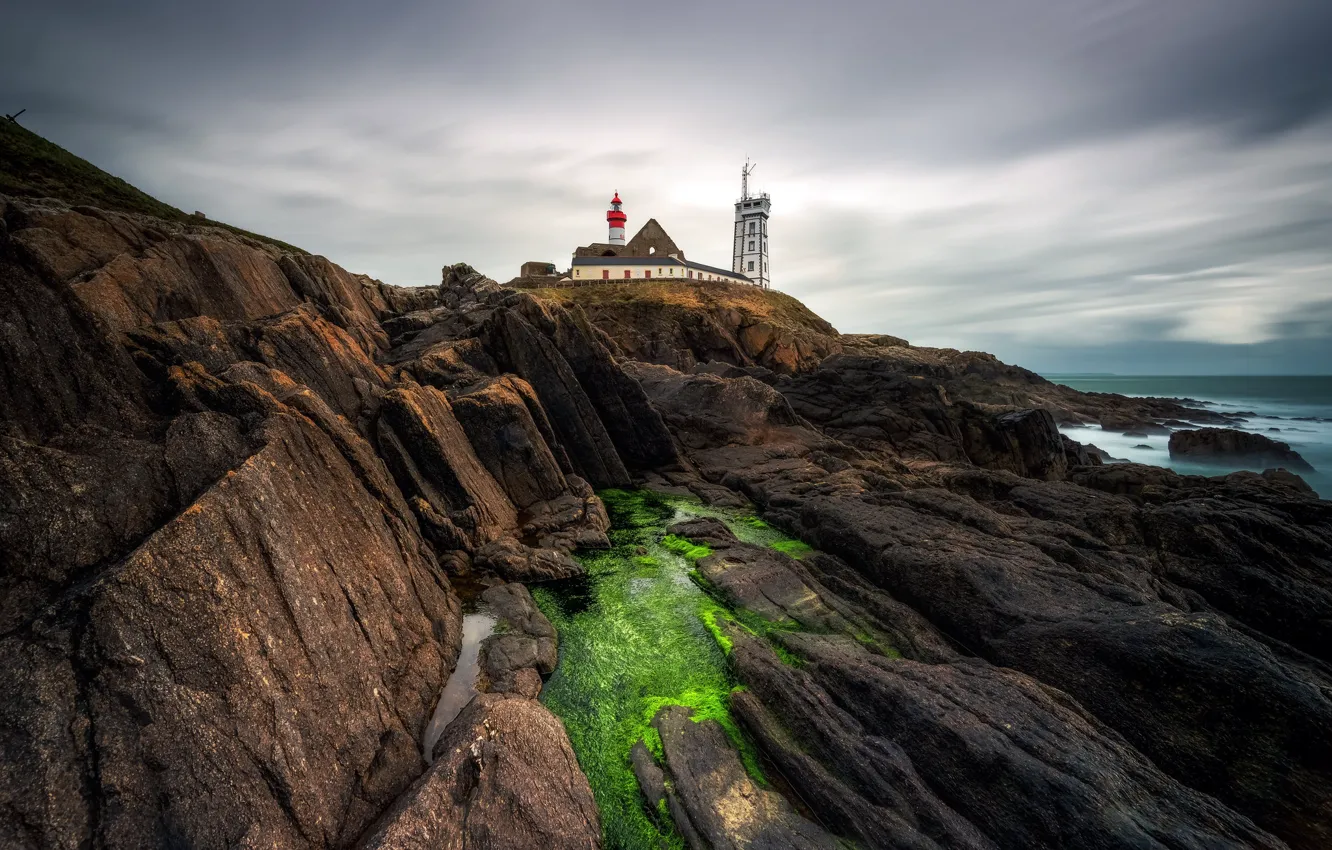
[616, 218]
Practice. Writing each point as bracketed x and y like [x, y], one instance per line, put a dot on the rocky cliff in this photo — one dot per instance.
[241, 488]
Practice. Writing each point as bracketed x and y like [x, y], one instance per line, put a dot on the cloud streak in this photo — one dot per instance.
[1053, 181]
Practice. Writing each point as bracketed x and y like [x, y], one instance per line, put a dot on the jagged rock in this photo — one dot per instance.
[524, 647]
[1238, 447]
[633, 424]
[298, 342]
[500, 424]
[1078, 454]
[203, 682]
[876, 760]
[819, 593]
[1026, 442]
[456, 499]
[520, 348]
[712, 799]
[515, 561]
[504, 775]
[710, 409]
[60, 370]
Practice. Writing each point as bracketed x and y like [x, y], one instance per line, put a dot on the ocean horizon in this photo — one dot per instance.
[1294, 409]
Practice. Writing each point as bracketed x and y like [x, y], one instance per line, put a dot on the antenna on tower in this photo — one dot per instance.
[744, 179]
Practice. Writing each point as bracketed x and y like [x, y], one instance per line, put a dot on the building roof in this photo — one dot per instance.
[654, 261]
[715, 270]
[626, 261]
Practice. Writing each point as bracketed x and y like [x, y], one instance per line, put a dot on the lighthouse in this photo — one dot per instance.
[616, 218]
[750, 256]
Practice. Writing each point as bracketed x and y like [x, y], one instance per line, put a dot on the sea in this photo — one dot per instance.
[1295, 409]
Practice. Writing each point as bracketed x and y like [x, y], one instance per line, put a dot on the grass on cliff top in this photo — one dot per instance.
[33, 167]
[776, 308]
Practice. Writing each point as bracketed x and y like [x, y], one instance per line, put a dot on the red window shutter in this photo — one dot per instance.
[647, 273]
[605, 274]
[626, 274]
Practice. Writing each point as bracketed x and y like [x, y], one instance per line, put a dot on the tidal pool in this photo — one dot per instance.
[460, 687]
[635, 636]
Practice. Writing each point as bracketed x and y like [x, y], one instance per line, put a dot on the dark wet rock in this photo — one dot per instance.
[916, 733]
[512, 560]
[1143, 446]
[1026, 442]
[711, 797]
[1078, 454]
[710, 409]
[633, 424]
[504, 775]
[500, 424]
[1226, 445]
[524, 646]
[574, 520]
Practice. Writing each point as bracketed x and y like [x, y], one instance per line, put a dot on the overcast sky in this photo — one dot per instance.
[1074, 185]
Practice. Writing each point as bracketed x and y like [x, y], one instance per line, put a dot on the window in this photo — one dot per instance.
[690, 274]
[751, 265]
[605, 274]
[658, 272]
[672, 271]
[626, 274]
[751, 244]
[647, 273]
[752, 225]
[578, 272]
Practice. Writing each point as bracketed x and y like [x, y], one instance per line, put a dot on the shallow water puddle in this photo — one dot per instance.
[461, 686]
[634, 637]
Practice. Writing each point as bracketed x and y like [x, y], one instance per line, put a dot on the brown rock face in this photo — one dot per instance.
[204, 683]
[456, 499]
[504, 776]
[712, 800]
[220, 623]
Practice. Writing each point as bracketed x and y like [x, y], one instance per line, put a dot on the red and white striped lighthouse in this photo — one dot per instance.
[616, 218]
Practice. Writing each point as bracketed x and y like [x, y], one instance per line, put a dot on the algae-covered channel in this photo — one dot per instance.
[635, 636]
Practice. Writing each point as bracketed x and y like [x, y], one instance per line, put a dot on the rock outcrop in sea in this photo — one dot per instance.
[240, 486]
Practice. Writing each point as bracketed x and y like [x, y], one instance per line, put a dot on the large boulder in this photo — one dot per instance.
[504, 775]
[1238, 448]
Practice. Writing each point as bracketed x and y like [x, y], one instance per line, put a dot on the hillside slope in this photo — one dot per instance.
[34, 167]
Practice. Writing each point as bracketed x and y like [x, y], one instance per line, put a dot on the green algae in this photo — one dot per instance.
[684, 546]
[645, 630]
[795, 548]
[637, 635]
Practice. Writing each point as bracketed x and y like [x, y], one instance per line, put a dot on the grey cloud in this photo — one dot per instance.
[1074, 179]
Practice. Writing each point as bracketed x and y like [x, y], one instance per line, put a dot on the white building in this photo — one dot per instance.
[670, 267]
[750, 254]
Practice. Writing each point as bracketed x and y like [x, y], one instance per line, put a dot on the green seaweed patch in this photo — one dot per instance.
[710, 615]
[754, 522]
[794, 548]
[633, 639]
[685, 547]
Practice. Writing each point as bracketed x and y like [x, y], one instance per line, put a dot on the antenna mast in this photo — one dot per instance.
[744, 179]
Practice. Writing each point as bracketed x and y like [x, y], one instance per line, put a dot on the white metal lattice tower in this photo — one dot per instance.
[750, 256]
